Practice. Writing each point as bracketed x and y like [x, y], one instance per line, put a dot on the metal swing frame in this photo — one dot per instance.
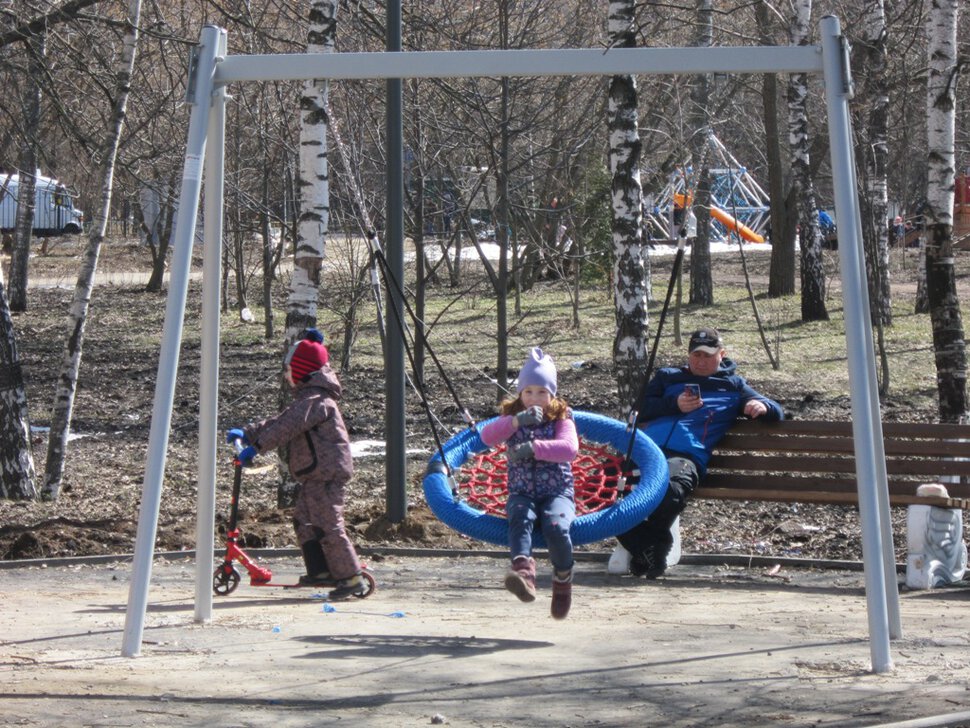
[212, 70]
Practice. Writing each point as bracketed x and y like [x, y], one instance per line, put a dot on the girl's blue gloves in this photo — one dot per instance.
[246, 456]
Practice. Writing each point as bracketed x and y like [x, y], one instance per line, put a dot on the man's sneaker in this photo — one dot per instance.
[651, 562]
[521, 578]
[562, 594]
[346, 588]
[322, 579]
[619, 562]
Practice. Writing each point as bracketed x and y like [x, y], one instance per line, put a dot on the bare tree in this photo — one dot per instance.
[873, 154]
[809, 235]
[701, 282]
[71, 360]
[781, 278]
[36, 48]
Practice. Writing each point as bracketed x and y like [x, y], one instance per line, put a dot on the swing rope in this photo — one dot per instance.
[744, 263]
[383, 271]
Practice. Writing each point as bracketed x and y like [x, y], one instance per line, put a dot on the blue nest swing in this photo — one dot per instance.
[601, 511]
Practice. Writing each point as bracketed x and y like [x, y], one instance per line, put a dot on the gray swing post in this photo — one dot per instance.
[212, 71]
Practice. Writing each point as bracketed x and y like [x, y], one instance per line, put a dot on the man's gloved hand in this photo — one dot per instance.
[236, 434]
[529, 417]
[519, 453]
[246, 456]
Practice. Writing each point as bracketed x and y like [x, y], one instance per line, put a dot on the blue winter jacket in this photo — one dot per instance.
[695, 434]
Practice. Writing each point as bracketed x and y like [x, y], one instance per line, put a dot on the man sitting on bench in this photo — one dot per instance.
[686, 411]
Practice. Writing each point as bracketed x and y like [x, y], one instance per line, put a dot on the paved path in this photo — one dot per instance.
[706, 646]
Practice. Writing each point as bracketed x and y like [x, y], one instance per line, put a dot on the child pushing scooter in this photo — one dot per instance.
[312, 428]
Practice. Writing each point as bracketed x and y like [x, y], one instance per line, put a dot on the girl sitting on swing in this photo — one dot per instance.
[541, 441]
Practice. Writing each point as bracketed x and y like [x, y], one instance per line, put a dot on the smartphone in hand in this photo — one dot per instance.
[693, 390]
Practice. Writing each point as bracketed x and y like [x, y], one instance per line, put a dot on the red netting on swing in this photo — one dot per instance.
[596, 470]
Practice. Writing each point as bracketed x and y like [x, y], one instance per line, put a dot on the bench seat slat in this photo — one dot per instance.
[810, 496]
[763, 482]
[822, 463]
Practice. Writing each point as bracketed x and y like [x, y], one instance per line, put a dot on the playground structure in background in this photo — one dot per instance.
[738, 203]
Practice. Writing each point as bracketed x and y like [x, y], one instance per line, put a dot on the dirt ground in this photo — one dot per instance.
[440, 642]
[97, 506]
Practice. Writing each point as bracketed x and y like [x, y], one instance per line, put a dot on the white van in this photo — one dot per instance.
[54, 211]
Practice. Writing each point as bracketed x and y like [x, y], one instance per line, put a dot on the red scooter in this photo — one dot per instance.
[225, 579]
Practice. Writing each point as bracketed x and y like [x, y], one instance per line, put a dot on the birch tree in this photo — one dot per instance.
[314, 181]
[313, 189]
[17, 476]
[71, 358]
[630, 271]
[809, 237]
[943, 72]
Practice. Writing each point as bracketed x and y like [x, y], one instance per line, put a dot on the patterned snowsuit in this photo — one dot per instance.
[320, 461]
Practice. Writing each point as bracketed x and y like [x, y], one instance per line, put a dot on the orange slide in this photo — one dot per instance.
[722, 217]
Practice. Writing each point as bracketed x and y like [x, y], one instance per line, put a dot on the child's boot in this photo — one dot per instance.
[317, 571]
[521, 579]
[346, 588]
[562, 593]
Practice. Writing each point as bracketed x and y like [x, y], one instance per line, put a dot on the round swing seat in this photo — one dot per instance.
[477, 508]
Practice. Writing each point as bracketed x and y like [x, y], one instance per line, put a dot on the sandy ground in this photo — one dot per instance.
[441, 642]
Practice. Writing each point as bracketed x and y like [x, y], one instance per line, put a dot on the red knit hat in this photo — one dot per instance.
[308, 356]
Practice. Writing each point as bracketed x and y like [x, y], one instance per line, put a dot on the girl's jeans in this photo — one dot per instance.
[555, 515]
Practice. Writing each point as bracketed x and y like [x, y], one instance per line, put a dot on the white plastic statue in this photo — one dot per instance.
[936, 554]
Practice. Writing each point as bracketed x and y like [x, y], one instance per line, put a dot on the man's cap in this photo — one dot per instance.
[706, 340]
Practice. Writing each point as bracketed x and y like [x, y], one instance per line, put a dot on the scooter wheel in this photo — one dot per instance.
[225, 581]
[370, 585]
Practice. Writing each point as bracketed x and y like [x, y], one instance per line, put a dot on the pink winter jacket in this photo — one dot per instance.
[561, 449]
[313, 428]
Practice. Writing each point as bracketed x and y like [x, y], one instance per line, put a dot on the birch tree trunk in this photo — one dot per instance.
[71, 358]
[948, 340]
[23, 230]
[630, 265]
[314, 181]
[17, 477]
[809, 237]
[874, 153]
[313, 191]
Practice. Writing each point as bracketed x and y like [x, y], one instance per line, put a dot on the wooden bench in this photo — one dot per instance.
[813, 462]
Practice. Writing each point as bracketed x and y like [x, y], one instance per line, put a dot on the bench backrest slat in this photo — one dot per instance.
[814, 461]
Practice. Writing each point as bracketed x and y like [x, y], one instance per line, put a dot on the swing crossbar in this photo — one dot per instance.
[814, 462]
